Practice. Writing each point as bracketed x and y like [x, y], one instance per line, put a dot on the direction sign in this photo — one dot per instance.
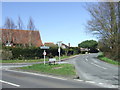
[44, 53]
[44, 47]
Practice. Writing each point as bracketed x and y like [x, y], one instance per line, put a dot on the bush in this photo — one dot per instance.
[93, 50]
[6, 55]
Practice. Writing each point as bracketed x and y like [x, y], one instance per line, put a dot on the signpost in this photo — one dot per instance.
[59, 44]
[44, 53]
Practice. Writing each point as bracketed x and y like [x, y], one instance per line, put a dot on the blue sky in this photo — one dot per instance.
[56, 21]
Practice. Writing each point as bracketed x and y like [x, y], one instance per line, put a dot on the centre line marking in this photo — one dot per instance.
[86, 59]
[98, 66]
[10, 83]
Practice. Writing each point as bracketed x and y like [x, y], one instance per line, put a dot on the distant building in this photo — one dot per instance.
[84, 49]
[64, 46]
[13, 37]
[50, 44]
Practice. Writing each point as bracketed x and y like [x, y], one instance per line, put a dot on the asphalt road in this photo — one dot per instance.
[89, 68]
[16, 79]
[93, 73]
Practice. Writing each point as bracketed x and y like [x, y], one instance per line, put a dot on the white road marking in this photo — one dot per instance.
[98, 66]
[89, 81]
[86, 59]
[38, 74]
[95, 61]
[115, 86]
[10, 83]
[56, 77]
[79, 80]
[100, 83]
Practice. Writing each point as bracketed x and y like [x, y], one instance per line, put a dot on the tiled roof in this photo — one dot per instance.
[46, 43]
[64, 45]
[50, 44]
[21, 36]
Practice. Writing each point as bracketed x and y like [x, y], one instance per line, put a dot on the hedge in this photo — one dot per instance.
[30, 53]
[35, 52]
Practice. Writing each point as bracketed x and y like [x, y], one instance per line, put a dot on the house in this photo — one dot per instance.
[50, 44]
[84, 49]
[14, 37]
[64, 46]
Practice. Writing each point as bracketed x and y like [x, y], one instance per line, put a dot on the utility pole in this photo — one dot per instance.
[59, 45]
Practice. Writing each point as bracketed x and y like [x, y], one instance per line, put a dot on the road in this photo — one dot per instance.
[18, 79]
[93, 73]
[89, 68]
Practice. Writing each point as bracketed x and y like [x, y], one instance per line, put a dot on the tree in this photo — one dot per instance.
[104, 22]
[9, 24]
[30, 27]
[89, 44]
[20, 24]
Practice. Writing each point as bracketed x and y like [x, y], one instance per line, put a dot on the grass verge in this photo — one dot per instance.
[101, 57]
[22, 61]
[28, 61]
[66, 70]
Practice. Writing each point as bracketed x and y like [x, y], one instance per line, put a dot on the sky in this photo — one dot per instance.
[56, 21]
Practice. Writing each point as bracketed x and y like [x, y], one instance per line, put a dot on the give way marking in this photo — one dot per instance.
[98, 66]
[10, 83]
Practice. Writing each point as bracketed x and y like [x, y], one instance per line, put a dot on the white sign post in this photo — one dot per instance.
[44, 53]
[59, 44]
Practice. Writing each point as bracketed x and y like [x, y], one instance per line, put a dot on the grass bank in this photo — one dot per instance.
[101, 57]
[66, 70]
[28, 61]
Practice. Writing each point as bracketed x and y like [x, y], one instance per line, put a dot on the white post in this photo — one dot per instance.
[59, 44]
[44, 57]
[59, 53]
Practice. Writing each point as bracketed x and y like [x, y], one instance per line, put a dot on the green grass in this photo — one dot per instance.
[28, 61]
[101, 57]
[62, 57]
[22, 61]
[57, 69]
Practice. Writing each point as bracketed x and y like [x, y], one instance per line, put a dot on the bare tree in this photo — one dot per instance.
[9, 24]
[104, 22]
[20, 25]
[31, 27]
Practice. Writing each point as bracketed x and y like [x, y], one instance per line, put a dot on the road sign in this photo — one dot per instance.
[44, 53]
[52, 59]
[44, 47]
